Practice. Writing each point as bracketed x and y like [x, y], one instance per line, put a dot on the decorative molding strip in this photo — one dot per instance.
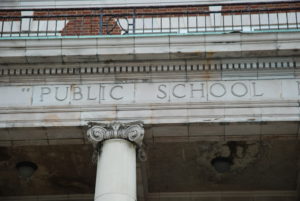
[89, 197]
[152, 115]
[287, 63]
[79, 197]
[249, 194]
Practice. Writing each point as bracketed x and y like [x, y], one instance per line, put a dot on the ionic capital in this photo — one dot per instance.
[133, 132]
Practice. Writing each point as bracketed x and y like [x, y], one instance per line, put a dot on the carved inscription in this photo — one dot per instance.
[148, 93]
[78, 93]
[216, 89]
[161, 92]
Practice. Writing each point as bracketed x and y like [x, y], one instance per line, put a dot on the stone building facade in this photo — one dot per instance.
[149, 100]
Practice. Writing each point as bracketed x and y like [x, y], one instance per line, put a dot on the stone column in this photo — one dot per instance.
[116, 165]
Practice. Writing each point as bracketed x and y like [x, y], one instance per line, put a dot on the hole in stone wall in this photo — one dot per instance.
[26, 169]
[222, 164]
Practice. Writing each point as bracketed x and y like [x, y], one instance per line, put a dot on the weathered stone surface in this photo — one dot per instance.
[163, 102]
[166, 92]
[170, 167]
[137, 48]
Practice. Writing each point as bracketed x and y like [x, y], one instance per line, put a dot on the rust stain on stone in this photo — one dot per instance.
[210, 54]
[51, 117]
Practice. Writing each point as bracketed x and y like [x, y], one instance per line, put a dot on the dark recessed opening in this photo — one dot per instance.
[221, 164]
[26, 169]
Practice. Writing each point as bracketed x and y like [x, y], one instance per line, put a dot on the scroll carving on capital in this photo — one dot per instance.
[133, 132]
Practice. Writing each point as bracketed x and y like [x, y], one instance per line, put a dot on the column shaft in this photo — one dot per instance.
[116, 171]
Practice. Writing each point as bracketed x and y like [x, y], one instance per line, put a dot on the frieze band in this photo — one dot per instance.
[133, 94]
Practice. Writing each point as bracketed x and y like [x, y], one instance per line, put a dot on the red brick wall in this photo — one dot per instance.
[75, 25]
[244, 8]
[6, 14]
[91, 25]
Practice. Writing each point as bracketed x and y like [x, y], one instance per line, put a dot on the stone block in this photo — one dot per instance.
[242, 129]
[64, 132]
[164, 131]
[27, 134]
[207, 129]
[280, 128]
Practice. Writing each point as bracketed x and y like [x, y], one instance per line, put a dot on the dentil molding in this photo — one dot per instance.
[150, 67]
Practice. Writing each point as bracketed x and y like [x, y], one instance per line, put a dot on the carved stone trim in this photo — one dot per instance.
[134, 132]
[287, 63]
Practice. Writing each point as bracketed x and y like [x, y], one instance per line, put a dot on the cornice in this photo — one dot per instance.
[148, 48]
